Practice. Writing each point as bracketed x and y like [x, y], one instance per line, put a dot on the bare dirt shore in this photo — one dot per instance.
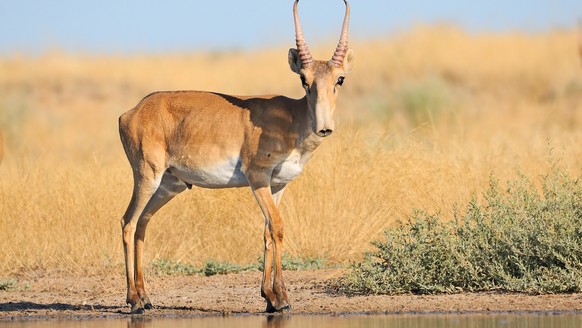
[98, 297]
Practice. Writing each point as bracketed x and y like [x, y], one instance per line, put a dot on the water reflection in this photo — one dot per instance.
[276, 321]
[293, 321]
[271, 321]
[372, 321]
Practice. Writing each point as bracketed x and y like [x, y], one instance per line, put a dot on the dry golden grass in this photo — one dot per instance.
[423, 121]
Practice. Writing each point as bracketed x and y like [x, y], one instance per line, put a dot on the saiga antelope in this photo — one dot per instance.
[174, 140]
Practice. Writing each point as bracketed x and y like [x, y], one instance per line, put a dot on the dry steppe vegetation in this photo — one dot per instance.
[423, 121]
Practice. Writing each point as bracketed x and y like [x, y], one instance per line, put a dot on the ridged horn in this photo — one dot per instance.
[342, 46]
[302, 48]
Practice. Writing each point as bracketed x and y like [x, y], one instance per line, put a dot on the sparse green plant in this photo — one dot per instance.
[162, 267]
[7, 284]
[522, 239]
[302, 263]
[298, 263]
[212, 267]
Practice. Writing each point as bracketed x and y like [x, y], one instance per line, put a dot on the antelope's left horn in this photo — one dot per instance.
[342, 46]
[302, 49]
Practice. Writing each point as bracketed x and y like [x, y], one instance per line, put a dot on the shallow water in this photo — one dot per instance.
[293, 321]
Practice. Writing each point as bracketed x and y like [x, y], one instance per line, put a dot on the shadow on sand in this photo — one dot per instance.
[31, 306]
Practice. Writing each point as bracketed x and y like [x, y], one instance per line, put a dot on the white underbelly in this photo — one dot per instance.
[226, 174]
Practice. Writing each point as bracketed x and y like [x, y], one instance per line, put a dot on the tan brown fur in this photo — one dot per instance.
[174, 140]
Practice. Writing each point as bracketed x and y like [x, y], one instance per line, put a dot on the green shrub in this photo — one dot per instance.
[523, 239]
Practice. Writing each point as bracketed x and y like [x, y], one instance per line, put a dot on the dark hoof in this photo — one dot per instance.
[270, 308]
[137, 311]
[285, 308]
[137, 308]
[148, 306]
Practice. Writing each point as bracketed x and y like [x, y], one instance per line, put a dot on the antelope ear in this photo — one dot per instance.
[348, 61]
[294, 61]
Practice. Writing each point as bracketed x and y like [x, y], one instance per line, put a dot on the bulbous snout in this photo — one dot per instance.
[324, 132]
[324, 124]
[321, 99]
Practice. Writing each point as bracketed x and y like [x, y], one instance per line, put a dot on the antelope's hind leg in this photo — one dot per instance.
[170, 186]
[146, 182]
[152, 190]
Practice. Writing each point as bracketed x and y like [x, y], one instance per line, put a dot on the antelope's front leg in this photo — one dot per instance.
[266, 284]
[275, 294]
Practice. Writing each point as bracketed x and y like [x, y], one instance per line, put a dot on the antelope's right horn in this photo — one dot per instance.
[342, 46]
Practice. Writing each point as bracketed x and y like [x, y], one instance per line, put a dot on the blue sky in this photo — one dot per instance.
[129, 26]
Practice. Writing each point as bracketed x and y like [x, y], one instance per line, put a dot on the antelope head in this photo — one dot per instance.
[321, 80]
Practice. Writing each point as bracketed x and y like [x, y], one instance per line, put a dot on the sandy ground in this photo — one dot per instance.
[98, 297]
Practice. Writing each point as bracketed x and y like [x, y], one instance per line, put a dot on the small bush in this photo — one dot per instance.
[521, 240]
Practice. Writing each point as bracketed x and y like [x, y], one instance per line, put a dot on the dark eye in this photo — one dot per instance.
[304, 82]
[340, 80]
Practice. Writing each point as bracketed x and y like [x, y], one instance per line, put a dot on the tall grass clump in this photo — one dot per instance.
[519, 239]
